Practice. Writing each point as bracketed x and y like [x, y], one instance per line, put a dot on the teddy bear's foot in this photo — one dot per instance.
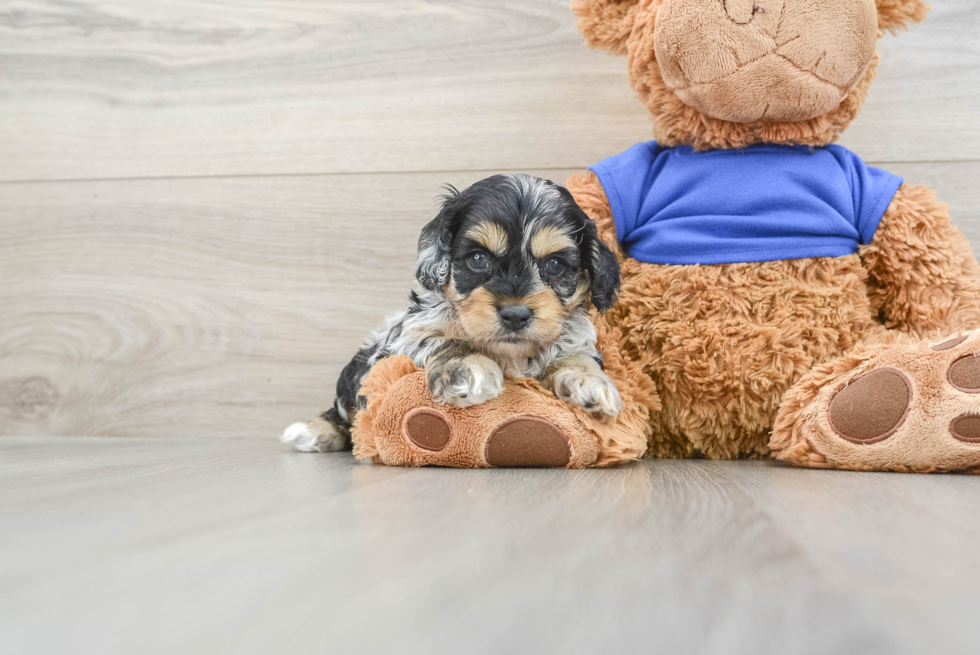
[525, 426]
[518, 441]
[906, 407]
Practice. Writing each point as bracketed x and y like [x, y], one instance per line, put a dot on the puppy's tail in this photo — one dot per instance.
[327, 434]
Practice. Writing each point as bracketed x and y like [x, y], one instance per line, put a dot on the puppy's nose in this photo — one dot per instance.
[515, 317]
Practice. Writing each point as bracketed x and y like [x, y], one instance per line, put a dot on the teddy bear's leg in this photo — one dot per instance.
[899, 402]
[905, 406]
[519, 441]
[403, 425]
[526, 425]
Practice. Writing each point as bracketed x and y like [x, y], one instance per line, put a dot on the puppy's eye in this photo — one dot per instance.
[478, 262]
[553, 267]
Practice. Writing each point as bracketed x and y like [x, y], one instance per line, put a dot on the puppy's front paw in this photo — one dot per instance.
[593, 391]
[467, 381]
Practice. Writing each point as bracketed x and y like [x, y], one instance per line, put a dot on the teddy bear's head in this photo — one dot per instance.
[730, 73]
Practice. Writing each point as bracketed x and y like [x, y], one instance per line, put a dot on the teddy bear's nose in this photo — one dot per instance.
[740, 11]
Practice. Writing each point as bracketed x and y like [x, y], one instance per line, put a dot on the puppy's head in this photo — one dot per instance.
[516, 255]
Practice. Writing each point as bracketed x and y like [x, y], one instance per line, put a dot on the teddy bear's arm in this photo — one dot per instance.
[923, 275]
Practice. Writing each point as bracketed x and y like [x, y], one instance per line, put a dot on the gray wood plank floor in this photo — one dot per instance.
[194, 546]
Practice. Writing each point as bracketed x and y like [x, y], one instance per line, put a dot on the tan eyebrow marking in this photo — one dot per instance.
[550, 239]
[489, 235]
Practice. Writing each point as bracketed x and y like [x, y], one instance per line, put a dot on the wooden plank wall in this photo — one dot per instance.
[205, 205]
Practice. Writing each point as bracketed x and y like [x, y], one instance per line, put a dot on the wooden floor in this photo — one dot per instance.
[191, 546]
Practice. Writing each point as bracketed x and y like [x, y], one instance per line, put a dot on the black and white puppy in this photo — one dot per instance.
[506, 275]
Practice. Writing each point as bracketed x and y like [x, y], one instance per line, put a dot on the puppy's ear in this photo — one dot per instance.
[602, 266]
[436, 242]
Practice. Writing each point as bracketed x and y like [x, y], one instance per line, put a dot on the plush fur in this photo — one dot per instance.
[723, 343]
[923, 443]
[923, 277]
[629, 26]
[747, 357]
[749, 61]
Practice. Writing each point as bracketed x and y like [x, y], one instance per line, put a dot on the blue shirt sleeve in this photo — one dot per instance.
[871, 188]
[624, 178]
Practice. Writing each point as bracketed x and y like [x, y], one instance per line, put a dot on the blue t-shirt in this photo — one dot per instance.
[762, 203]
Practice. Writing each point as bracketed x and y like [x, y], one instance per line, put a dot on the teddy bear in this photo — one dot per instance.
[780, 298]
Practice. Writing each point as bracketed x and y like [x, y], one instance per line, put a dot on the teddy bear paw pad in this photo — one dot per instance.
[909, 407]
[428, 430]
[871, 408]
[949, 344]
[964, 374]
[966, 428]
[528, 441]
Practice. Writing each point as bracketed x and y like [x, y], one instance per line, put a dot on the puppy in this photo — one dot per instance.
[506, 275]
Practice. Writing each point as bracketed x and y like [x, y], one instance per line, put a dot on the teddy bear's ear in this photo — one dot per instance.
[606, 23]
[894, 15]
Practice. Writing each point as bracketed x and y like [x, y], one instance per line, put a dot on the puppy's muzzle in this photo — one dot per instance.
[515, 317]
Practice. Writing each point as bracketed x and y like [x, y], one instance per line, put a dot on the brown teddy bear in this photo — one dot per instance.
[779, 296]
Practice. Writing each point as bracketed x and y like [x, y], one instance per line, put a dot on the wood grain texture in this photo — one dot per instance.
[215, 286]
[221, 307]
[201, 307]
[123, 546]
[120, 89]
